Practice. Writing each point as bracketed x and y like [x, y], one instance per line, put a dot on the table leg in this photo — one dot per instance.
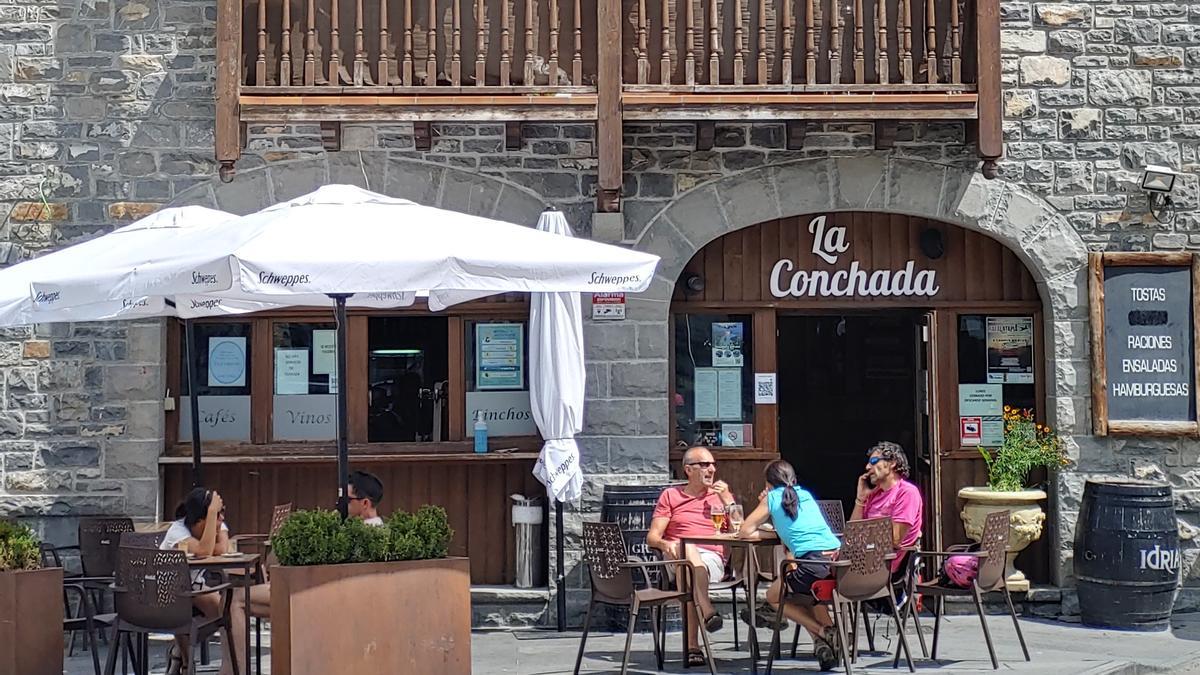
[752, 602]
[246, 615]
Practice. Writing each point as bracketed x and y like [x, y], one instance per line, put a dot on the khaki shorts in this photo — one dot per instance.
[713, 562]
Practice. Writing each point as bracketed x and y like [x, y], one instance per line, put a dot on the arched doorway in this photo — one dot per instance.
[812, 337]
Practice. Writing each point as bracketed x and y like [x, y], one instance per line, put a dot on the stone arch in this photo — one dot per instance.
[427, 183]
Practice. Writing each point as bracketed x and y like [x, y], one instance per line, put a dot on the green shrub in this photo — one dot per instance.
[18, 547]
[321, 538]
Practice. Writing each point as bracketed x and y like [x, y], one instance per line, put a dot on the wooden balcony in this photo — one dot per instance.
[605, 61]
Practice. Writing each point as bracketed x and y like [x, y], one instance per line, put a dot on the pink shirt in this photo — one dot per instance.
[903, 504]
[689, 516]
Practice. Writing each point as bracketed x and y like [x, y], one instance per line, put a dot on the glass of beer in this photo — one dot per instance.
[734, 512]
[718, 517]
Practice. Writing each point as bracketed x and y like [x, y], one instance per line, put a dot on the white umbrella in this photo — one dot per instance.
[556, 385]
[346, 243]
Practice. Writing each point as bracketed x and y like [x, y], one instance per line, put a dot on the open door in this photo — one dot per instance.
[927, 464]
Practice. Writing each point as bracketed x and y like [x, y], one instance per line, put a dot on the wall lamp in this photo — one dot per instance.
[693, 284]
[1157, 183]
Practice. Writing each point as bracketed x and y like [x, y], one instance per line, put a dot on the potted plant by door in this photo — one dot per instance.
[348, 597]
[1027, 445]
[31, 606]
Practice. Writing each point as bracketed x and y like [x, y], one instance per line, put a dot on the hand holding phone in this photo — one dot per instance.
[865, 487]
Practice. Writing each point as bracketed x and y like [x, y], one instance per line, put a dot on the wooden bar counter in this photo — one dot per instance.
[473, 488]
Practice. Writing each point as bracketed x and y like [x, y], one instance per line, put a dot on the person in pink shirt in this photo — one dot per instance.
[885, 492]
[687, 511]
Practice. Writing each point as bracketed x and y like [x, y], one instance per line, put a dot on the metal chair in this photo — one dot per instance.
[993, 545]
[611, 571]
[262, 542]
[835, 514]
[99, 541]
[153, 594]
[142, 539]
[863, 573]
[79, 615]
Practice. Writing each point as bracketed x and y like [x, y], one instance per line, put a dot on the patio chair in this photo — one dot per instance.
[79, 615]
[993, 545]
[99, 541]
[262, 542]
[611, 571]
[863, 573]
[835, 514]
[142, 539]
[906, 603]
[153, 594]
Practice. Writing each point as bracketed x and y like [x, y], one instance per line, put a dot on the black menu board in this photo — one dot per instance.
[1147, 365]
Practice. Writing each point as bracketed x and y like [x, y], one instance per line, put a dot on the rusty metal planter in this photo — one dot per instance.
[395, 617]
[31, 622]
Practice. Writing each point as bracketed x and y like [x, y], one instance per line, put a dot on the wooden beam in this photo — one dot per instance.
[991, 136]
[423, 136]
[512, 135]
[1139, 258]
[229, 58]
[706, 133]
[608, 107]
[885, 134]
[795, 132]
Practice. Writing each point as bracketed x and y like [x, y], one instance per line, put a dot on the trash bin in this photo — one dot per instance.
[527, 517]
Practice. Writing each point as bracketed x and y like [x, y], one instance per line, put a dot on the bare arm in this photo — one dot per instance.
[862, 491]
[206, 545]
[655, 538]
[757, 517]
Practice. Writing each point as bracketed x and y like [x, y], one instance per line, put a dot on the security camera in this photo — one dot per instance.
[1158, 179]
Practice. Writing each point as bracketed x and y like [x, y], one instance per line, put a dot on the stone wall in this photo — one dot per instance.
[106, 114]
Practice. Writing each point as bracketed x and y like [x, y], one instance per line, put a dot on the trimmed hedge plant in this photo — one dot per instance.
[320, 537]
[18, 548]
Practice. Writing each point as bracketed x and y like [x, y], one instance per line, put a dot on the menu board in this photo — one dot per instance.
[1146, 379]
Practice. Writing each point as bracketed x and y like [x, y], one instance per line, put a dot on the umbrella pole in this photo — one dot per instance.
[343, 448]
[560, 585]
[189, 333]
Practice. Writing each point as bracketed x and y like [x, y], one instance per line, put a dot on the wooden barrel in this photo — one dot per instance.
[1127, 555]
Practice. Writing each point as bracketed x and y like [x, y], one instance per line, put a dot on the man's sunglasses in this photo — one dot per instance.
[702, 465]
[874, 460]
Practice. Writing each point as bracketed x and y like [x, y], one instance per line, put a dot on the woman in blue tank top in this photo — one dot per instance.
[802, 529]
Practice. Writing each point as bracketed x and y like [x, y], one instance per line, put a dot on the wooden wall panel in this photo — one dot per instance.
[973, 267]
[474, 494]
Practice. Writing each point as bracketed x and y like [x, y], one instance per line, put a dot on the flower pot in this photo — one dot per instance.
[1025, 523]
[31, 622]
[390, 617]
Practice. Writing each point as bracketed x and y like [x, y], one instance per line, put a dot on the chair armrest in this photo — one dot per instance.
[209, 589]
[89, 580]
[956, 548]
[846, 563]
[644, 564]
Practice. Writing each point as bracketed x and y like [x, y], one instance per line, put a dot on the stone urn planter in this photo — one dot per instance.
[1025, 523]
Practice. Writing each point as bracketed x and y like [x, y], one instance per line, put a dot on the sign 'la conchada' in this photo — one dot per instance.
[828, 244]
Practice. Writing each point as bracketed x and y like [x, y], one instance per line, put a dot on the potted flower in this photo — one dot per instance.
[31, 606]
[350, 597]
[1027, 445]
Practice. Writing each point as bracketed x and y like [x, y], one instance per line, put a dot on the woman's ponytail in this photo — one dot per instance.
[781, 474]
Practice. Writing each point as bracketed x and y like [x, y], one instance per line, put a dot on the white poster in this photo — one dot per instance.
[729, 394]
[506, 413]
[764, 389]
[985, 401]
[324, 352]
[704, 391]
[291, 371]
[227, 362]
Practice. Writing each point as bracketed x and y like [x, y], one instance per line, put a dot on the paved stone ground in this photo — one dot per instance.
[1057, 649]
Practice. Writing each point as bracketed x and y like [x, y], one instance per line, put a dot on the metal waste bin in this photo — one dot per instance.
[527, 517]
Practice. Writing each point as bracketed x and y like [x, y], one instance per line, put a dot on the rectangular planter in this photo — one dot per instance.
[395, 617]
[31, 622]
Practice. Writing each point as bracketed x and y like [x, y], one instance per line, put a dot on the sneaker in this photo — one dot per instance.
[764, 617]
[826, 656]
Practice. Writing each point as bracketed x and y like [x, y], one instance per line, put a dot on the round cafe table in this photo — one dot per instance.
[248, 563]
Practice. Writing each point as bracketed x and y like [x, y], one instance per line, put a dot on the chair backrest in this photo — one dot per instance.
[152, 588]
[994, 542]
[835, 514]
[865, 546]
[99, 540]
[604, 552]
[50, 556]
[279, 514]
[142, 539]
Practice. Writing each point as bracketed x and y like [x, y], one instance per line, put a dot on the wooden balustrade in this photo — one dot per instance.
[760, 44]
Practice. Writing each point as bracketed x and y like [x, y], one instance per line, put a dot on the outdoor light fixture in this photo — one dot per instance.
[932, 244]
[1157, 183]
[694, 283]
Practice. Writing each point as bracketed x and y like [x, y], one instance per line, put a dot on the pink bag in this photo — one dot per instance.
[961, 570]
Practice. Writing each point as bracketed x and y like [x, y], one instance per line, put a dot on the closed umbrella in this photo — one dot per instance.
[556, 391]
[351, 245]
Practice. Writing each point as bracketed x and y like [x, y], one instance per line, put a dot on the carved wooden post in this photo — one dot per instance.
[991, 138]
[608, 106]
[229, 59]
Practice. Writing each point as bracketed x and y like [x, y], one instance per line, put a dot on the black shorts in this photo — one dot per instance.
[811, 567]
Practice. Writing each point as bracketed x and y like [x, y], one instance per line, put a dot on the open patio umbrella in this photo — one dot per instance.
[556, 392]
[351, 245]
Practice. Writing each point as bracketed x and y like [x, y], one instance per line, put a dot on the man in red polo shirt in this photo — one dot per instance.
[687, 511]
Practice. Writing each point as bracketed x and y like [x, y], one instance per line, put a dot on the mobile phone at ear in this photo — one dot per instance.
[870, 481]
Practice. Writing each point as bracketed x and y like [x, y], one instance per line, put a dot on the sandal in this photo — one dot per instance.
[695, 658]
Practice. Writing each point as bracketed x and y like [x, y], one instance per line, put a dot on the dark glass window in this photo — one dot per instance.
[408, 370]
[714, 377]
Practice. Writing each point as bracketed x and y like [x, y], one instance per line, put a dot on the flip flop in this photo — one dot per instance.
[696, 658]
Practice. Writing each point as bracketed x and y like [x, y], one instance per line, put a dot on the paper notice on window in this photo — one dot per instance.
[985, 402]
[727, 343]
[1010, 350]
[324, 352]
[291, 371]
[704, 394]
[729, 394]
[227, 362]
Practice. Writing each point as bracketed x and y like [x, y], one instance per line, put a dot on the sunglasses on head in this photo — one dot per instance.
[702, 465]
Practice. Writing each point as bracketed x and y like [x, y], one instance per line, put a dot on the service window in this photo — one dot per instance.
[408, 359]
[222, 382]
[304, 405]
[714, 380]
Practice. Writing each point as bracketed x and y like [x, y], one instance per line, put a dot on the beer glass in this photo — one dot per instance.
[718, 517]
[735, 515]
